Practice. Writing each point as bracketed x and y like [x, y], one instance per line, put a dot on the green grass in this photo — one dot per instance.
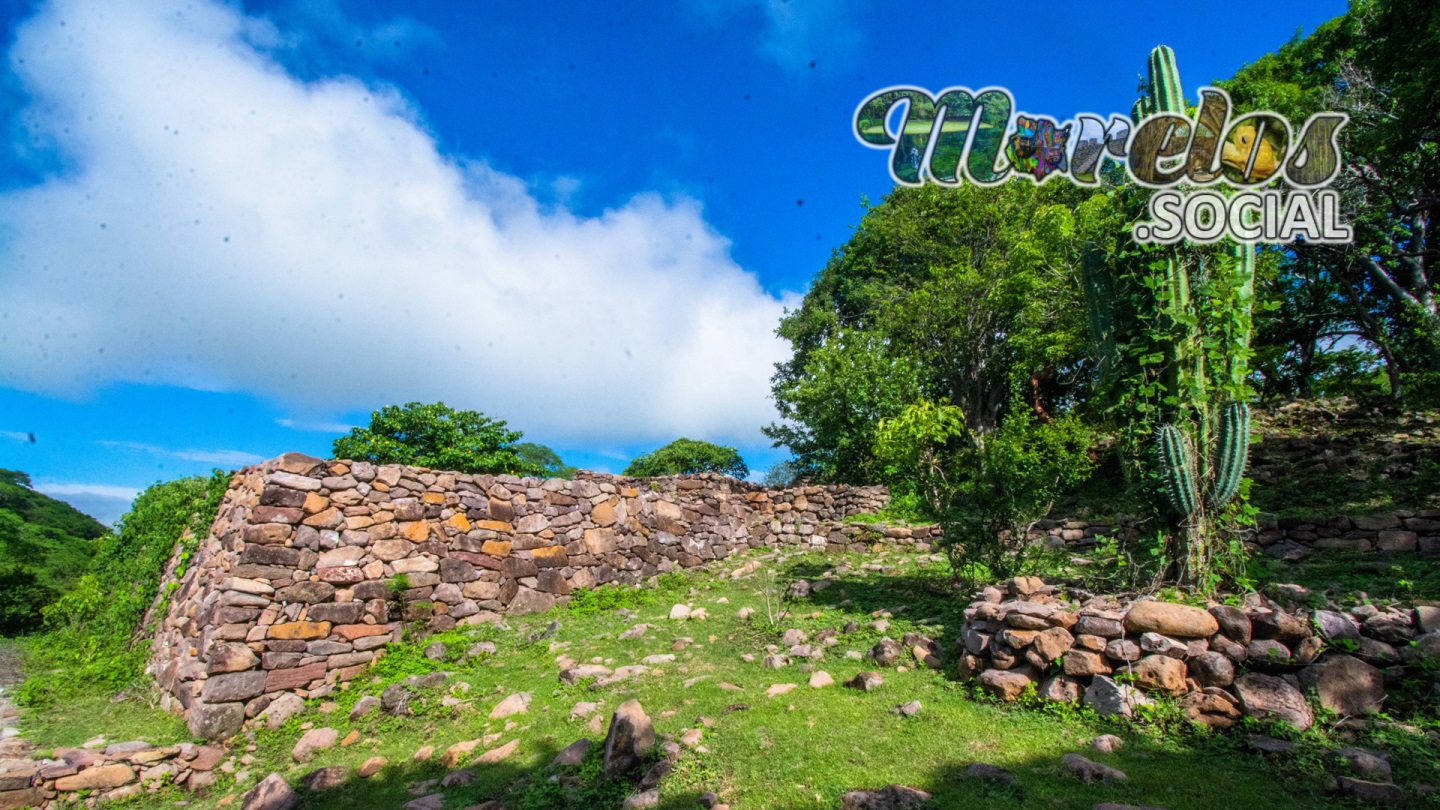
[799, 750]
[1399, 575]
[70, 723]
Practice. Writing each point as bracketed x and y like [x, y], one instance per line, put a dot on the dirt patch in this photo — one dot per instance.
[9, 663]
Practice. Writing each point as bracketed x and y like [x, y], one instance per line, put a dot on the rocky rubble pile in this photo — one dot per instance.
[1222, 663]
[312, 566]
[107, 772]
[1341, 437]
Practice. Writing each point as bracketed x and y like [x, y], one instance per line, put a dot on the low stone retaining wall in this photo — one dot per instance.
[1224, 662]
[1288, 538]
[312, 566]
[111, 772]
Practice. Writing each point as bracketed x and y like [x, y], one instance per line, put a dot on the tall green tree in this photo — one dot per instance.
[437, 437]
[542, 458]
[941, 294]
[1377, 63]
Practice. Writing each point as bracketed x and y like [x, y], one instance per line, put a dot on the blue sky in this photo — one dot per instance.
[229, 230]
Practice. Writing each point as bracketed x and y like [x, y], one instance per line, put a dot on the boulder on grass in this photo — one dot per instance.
[273, 793]
[631, 735]
[890, 797]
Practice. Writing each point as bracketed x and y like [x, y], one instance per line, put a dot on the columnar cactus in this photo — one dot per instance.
[1182, 312]
[1163, 93]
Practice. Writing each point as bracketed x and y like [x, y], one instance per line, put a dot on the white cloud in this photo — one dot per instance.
[55, 489]
[314, 427]
[223, 225]
[796, 32]
[16, 435]
[229, 459]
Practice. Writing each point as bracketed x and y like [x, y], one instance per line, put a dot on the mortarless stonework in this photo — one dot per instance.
[291, 591]
[294, 589]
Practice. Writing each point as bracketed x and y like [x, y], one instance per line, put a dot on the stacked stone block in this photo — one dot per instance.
[313, 566]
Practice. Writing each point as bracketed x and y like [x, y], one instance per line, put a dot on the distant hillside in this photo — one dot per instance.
[45, 545]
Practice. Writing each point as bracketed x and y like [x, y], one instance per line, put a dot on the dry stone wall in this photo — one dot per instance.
[1257, 659]
[313, 566]
[1288, 538]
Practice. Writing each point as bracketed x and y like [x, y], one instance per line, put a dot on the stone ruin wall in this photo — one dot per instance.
[1256, 659]
[291, 591]
[1287, 538]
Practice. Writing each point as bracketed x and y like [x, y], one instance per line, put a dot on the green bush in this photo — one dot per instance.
[22, 597]
[437, 437]
[95, 636]
[612, 597]
[688, 457]
[1008, 481]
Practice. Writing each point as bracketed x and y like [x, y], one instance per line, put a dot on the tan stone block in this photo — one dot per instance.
[418, 532]
[551, 557]
[390, 550]
[98, 778]
[350, 632]
[299, 630]
[495, 526]
[496, 548]
[599, 541]
[459, 522]
[433, 497]
[604, 513]
[315, 503]
[330, 518]
[481, 590]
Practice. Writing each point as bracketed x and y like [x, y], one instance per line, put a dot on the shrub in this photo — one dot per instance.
[687, 457]
[95, 636]
[918, 451]
[1006, 483]
[437, 437]
[22, 597]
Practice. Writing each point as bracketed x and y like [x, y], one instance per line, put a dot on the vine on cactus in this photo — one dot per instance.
[1170, 328]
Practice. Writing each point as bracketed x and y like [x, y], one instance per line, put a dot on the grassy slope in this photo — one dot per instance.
[39, 508]
[54, 539]
[800, 750]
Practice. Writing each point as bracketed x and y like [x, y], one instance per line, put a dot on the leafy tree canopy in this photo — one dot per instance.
[437, 437]
[687, 457]
[951, 294]
[45, 545]
[542, 458]
[1377, 63]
